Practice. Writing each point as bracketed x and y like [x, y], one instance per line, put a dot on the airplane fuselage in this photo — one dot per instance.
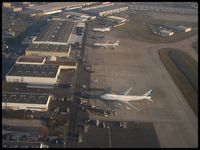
[123, 97]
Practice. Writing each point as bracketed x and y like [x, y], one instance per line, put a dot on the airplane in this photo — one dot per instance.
[106, 45]
[101, 29]
[125, 98]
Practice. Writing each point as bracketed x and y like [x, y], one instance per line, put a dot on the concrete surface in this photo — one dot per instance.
[137, 64]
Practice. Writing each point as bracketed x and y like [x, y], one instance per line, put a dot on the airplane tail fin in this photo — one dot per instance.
[117, 42]
[148, 95]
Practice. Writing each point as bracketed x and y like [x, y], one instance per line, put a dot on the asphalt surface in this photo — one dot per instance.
[135, 63]
[74, 112]
[137, 135]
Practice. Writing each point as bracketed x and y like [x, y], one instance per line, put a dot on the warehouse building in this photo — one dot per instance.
[37, 60]
[55, 33]
[34, 74]
[25, 101]
[42, 71]
[63, 64]
[56, 39]
[106, 10]
[48, 50]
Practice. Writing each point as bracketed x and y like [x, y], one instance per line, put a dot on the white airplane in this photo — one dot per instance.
[125, 98]
[101, 29]
[106, 45]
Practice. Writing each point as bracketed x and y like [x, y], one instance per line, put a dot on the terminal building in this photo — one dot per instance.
[25, 101]
[74, 16]
[53, 7]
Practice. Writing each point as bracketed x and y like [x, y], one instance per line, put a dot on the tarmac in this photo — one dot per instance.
[137, 64]
[115, 136]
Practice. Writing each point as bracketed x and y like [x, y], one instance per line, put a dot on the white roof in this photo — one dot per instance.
[56, 5]
[81, 24]
[116, 17]
[78, 14]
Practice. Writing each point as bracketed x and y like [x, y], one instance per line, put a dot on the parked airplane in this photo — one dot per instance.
[125, 98]
[106, 45]
[101, 29]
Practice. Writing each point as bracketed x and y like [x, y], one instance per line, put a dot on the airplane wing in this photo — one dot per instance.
[129, 105]
[107, 42]
[126, 93]
[107, 90]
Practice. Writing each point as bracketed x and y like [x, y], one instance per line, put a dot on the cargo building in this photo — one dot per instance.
[25, 101]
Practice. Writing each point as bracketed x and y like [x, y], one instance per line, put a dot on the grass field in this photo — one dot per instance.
[184, 71]
[138, 29]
